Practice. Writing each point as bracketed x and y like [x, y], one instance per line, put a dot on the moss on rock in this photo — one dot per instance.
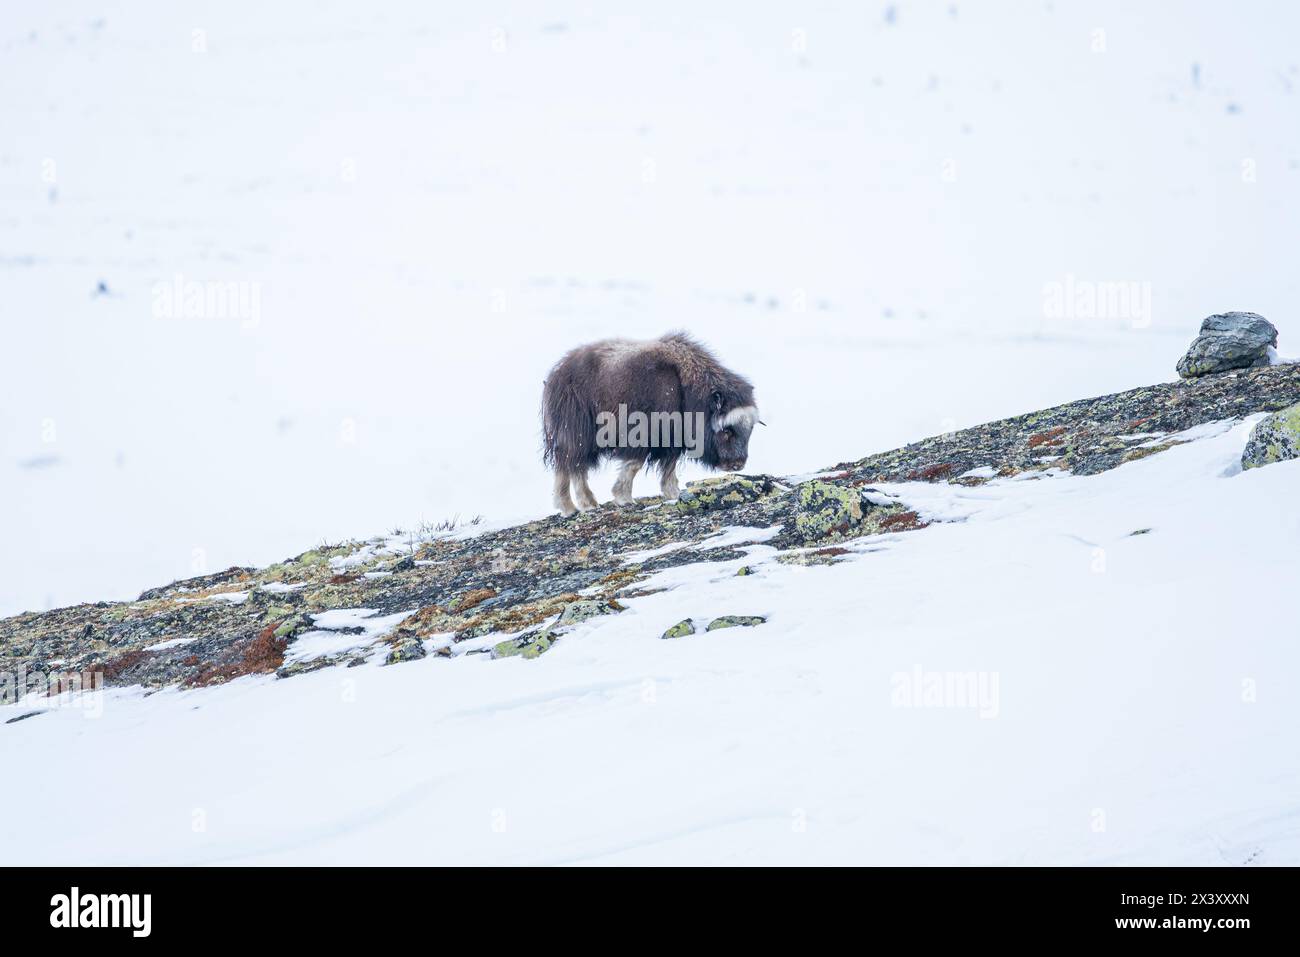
[580, 611]
[827, 511]
[726, 491]
[735, 621]
[534, 644]
[680, 630]
[1275, 438]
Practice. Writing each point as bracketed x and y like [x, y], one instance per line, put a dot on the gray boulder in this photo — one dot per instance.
[1273, 439]
[1229, 340]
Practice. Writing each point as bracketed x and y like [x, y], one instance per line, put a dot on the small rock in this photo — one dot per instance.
[406, 649]
[287, 628]
[1229, 340]
[1273, 439]
[725, 491]
[680, 630]
[530, 645]
[580, 611]
[735, 621]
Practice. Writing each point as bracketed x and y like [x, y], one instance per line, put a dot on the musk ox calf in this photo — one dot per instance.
[639, 402]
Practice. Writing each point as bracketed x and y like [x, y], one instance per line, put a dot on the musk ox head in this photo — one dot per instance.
[732, 417]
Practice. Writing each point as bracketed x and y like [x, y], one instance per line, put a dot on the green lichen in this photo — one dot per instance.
[735, 621]
[527, 646]
[580, 611]
[680, 630]
[725, 491]
[1274, 439]
[827, 511]
[290, 626]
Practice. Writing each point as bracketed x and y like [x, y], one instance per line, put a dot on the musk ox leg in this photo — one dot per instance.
[623, 484]
[582, 491]
[668, 481]
[561, 495]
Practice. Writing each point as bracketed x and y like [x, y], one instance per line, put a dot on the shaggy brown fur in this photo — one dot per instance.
[670, 375]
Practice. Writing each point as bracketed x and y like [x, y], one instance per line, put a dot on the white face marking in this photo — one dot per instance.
[743, 414]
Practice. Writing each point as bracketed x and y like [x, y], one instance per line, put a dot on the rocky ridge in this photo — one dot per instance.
[515, 591]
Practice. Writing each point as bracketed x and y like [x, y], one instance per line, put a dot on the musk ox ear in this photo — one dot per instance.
[715, 401]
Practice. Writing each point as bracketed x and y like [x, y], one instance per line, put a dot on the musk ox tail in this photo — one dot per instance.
[568, 424]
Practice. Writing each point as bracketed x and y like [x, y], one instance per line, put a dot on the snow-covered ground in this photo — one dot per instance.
[874, 210]
[1131, 701]
[424, 204]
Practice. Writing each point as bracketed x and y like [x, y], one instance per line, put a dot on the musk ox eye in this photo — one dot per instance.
[728, 433]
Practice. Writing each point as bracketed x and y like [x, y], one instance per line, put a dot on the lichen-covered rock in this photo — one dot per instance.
[726, 491]
[407, 648]
[735, 621]
[535, 643]
[580, 611]
[680, 630]
[291, 626]
[827, 511]
[1229, 340]
[1273, 439]
[530, 645]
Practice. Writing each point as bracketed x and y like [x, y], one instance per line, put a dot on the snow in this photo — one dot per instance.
[169, 643]
[280, 588]
[726, 537]
[640, 555]
[1032, 683]
[234, 597]
[340, 630]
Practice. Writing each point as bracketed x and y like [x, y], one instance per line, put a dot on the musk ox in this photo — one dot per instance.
[639, 402]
